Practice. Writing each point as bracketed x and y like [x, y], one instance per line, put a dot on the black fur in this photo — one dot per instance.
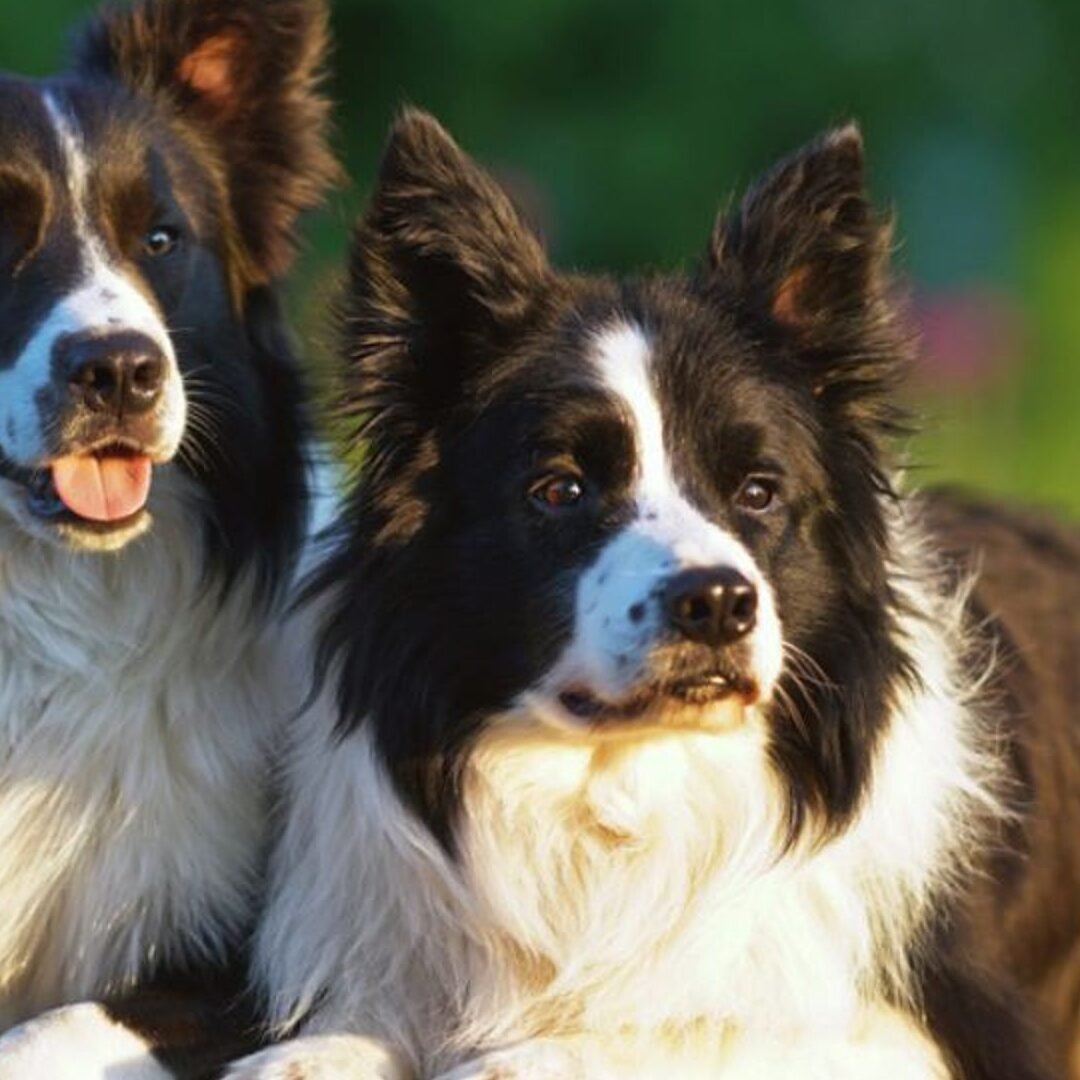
[205, 116]
[256, 156]
[466, 373]
[1000, 975]
[243, 78]
[466, 365]
[231, 170]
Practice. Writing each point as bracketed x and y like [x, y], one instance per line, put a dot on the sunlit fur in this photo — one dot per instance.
[146, 672]
[602, 894]
[96, 1046]
[138, 713]
[478, 877]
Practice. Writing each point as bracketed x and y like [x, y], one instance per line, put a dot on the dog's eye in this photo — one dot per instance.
[160, 241]
[757, 495]
[558, 492]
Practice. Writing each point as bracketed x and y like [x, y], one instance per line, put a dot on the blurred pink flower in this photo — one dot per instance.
[969, 336]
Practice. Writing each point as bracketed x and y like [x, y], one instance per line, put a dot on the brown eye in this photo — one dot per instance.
[757, 495]
[161, 241]
[558, 492]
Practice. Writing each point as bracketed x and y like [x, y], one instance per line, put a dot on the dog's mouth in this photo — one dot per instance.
[687, 701]
[101, 489]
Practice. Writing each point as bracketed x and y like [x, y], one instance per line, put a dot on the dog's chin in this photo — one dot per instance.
[94, 538]
[68, 532]
[50, 518]
[716, 704]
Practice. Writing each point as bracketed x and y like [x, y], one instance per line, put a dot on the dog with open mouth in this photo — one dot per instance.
[667, 736]
[154, 498]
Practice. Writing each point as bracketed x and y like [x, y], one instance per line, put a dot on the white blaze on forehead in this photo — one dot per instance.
[113, 299]
[75, 167]
[103, 300]
[624, 360]
[623, 357]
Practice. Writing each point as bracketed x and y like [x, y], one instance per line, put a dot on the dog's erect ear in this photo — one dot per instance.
[245, 74]
[811, 253]
[443, 223]
[806, 240]
[443, 269]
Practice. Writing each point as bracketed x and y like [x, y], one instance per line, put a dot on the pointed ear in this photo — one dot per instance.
[445, 224]
[810, 254]
[443, 268]
[806, 242]
[246, 75]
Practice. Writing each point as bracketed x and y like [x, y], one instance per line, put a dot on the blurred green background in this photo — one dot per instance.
[625, 123]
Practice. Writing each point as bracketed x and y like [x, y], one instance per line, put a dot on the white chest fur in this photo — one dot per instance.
[136, 713]
[629, 892]
[649, 884]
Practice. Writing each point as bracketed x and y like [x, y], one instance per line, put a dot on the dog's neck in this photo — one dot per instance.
[93, 615]
[137, 707]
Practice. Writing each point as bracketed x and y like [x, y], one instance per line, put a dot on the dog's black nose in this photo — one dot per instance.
[116, 373]
[711, 605]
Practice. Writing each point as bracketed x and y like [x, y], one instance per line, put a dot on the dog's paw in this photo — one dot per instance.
[77, 1042]
[322, 1057]
[539, 1060]
[885, 1043]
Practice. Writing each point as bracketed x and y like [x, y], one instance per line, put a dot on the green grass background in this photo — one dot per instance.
[626, 123]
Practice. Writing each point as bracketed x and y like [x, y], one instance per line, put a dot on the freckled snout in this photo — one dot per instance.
[714, 606]
[115, 374]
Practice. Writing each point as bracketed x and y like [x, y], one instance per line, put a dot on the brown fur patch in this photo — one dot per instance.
[787, 306]
[245, 76]
[211, 69]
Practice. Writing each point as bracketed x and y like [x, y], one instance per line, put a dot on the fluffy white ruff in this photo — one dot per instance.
[137, 715]
[634, 895]
[77, 1042]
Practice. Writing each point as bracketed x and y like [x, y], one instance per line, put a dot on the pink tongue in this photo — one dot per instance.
[103, 489]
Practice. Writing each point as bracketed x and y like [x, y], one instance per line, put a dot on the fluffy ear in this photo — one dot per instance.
[443, 270]
[811, 253]
[245, 73]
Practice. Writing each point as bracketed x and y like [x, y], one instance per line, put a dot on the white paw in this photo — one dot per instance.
[539, 1060]
[322, 1057]
[886, 1043]
[77, 1042]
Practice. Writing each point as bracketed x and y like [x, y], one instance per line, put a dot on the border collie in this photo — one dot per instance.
[670, 738]
[153, 489]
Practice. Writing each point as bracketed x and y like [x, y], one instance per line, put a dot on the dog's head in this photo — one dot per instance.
[607, 509]
[146, 198]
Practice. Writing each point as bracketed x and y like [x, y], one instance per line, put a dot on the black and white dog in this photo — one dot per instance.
[153, 493]
[671, 739]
